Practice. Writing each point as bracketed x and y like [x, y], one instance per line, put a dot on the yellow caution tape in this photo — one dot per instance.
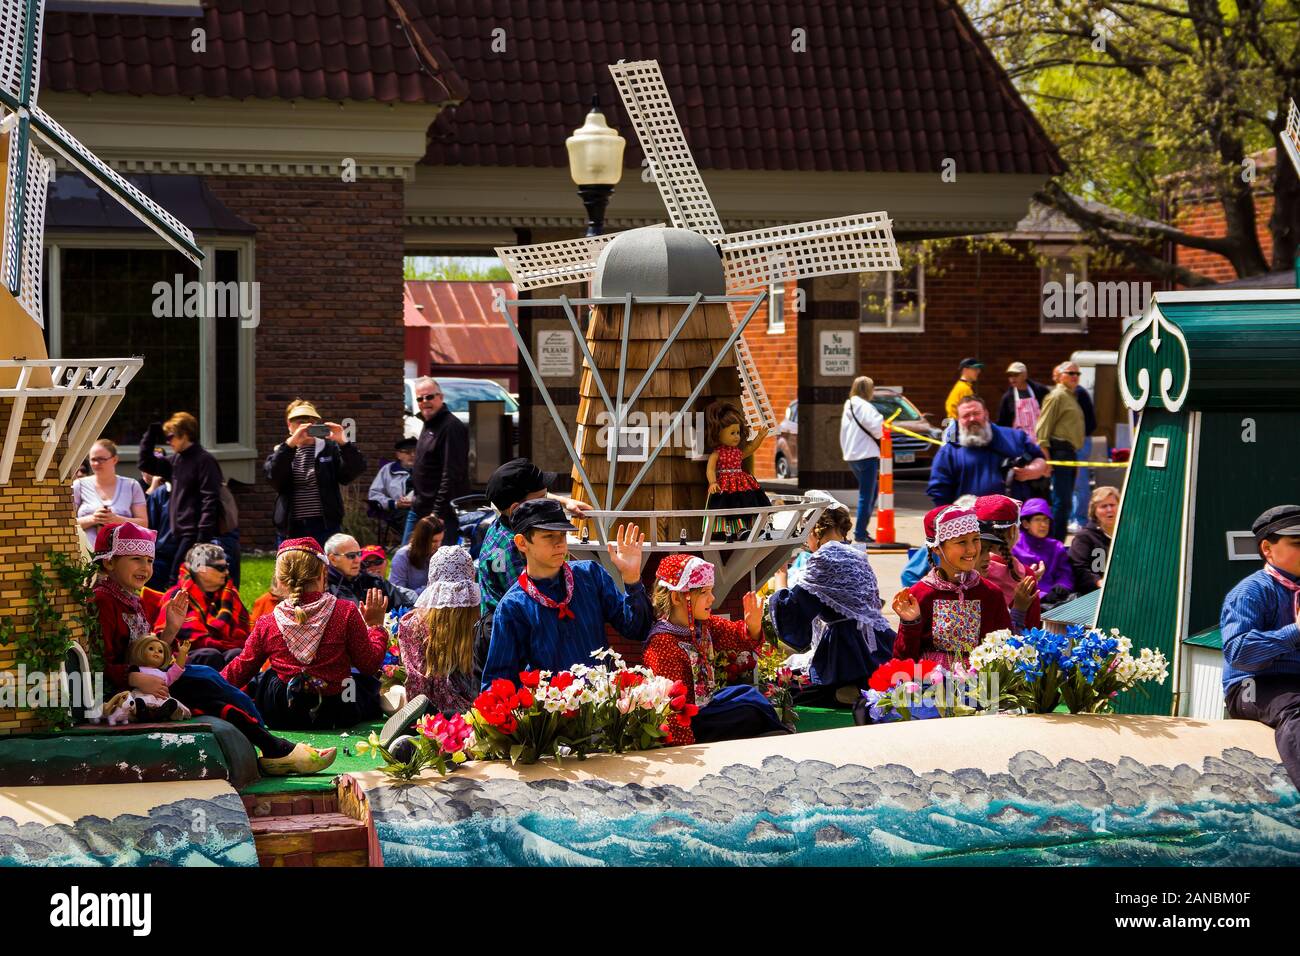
[1064, 464]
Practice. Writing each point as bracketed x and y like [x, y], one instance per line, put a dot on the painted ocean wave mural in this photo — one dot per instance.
[207, 831]
[1238, 809]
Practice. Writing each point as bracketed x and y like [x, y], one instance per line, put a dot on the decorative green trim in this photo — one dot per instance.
[1172, 363]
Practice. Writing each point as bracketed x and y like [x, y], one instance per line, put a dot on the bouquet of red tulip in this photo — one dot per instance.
[576, 712]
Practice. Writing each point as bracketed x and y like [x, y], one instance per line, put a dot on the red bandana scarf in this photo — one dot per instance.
[532, 591]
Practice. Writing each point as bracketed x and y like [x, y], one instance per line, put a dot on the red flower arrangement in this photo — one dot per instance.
[887, 675]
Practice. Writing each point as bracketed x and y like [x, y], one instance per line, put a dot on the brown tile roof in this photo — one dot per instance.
[267, 49]
[466, 330]
[884, 86]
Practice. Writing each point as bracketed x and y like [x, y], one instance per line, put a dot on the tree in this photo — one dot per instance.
[1134, 91]
[449, 268]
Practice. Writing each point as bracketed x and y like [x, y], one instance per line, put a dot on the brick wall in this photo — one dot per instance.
[977, 302]
[777, 358]
[329, 260]
[1203, 216]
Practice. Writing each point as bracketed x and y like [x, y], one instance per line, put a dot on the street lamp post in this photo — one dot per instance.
[596, 165]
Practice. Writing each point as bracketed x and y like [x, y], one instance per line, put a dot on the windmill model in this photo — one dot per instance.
[1291, 136]
[45, 406]
[640, 281]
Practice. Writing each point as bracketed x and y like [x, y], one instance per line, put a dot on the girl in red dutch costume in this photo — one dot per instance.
[948, 612]
[125, 555]
[683, 644]
[324, 651]
[730, 485]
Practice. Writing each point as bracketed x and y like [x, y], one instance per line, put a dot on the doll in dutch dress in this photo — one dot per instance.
[730, 485]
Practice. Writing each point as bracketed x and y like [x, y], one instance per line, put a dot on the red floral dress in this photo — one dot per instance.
[737, 488]
[688, 655]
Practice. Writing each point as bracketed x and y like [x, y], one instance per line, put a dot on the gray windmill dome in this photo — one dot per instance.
[654, 261]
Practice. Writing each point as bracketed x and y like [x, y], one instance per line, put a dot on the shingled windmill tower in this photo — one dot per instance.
[690, 355]
[51, 411]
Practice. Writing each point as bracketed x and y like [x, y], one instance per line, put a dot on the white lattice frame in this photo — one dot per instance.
[92, 388]
[38, 180]
[553, 263]
[859, 243]
[13, 41]
[1291, 135]
[650, 108]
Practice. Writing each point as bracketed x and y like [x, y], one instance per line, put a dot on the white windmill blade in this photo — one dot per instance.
[861, 243]
[13, 41]
[650, 108]
[554, 263]
[1291, 135]
[168, 227]
[33, 226]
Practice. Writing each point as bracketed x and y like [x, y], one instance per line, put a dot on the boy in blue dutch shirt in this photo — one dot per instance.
[1261, 640]
[554, 615]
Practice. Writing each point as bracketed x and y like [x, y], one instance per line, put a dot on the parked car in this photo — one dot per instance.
[909, 452]
[458, 393]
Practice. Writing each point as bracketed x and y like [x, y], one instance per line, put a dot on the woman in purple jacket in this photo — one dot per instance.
[1037, 547]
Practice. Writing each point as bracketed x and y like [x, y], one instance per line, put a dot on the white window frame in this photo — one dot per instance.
[1080, 256]
[1235, 555]
[889, 325]
[624, 451]
[244, 450]
[776, 307]
[1157, 452]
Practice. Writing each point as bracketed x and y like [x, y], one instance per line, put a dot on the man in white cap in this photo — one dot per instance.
[1022, 401]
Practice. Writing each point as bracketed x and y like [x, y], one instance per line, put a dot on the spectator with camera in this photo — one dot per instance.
[980, 458]
[194, 506]
[307, 470]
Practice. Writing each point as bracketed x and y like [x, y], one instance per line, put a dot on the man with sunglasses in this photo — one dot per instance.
[1061, 430]
[195, 504]
[441, 470]
[217, 622]
[350, 581]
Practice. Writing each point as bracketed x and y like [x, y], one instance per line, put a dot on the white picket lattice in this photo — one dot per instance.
[753, 396]
[1291, 135]
[650, 108]
[33, 227]
[13, 25]
[859, 243]
[553, 263]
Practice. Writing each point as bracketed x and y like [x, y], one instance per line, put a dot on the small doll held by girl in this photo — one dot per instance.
[730, 485]
[683, 644]
[149, 655]
[948, 612]
[125, 555]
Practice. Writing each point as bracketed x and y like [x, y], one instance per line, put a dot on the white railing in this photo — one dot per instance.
[89, 391]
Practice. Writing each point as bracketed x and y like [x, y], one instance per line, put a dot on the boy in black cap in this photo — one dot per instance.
[554, 615]
[1261, 641]
[968, 373]
[499, 562]
[390, 491]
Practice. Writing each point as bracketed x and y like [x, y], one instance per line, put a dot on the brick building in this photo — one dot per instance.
[312, 146]
[983, 297]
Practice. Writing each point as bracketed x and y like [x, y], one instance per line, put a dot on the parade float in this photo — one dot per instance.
[535, 774]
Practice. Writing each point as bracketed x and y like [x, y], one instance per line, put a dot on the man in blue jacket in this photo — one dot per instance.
[1261, 642]
[976, 455]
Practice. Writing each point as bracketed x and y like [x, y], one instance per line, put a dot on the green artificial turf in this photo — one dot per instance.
[822, 718]
[255, 577]
[343, 763]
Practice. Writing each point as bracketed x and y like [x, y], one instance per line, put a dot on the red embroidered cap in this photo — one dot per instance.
[997, 510]
[302, 544]
[124, 538]
[947, 522]
[684, 572]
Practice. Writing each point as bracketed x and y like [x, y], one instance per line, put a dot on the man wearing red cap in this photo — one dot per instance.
[948, 612]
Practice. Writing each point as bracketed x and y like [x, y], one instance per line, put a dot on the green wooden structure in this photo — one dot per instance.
[1214, 378]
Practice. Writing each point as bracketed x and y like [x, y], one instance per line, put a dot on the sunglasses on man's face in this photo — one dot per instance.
[1071, 374]
[430, 397]
[222, 568]
[350, 555]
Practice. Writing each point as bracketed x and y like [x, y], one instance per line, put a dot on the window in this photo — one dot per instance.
[1064, 282]
[894, 301]
[105, 299]
[776, 307]
[1242, 546]
[633, 443]
[1157, 452]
